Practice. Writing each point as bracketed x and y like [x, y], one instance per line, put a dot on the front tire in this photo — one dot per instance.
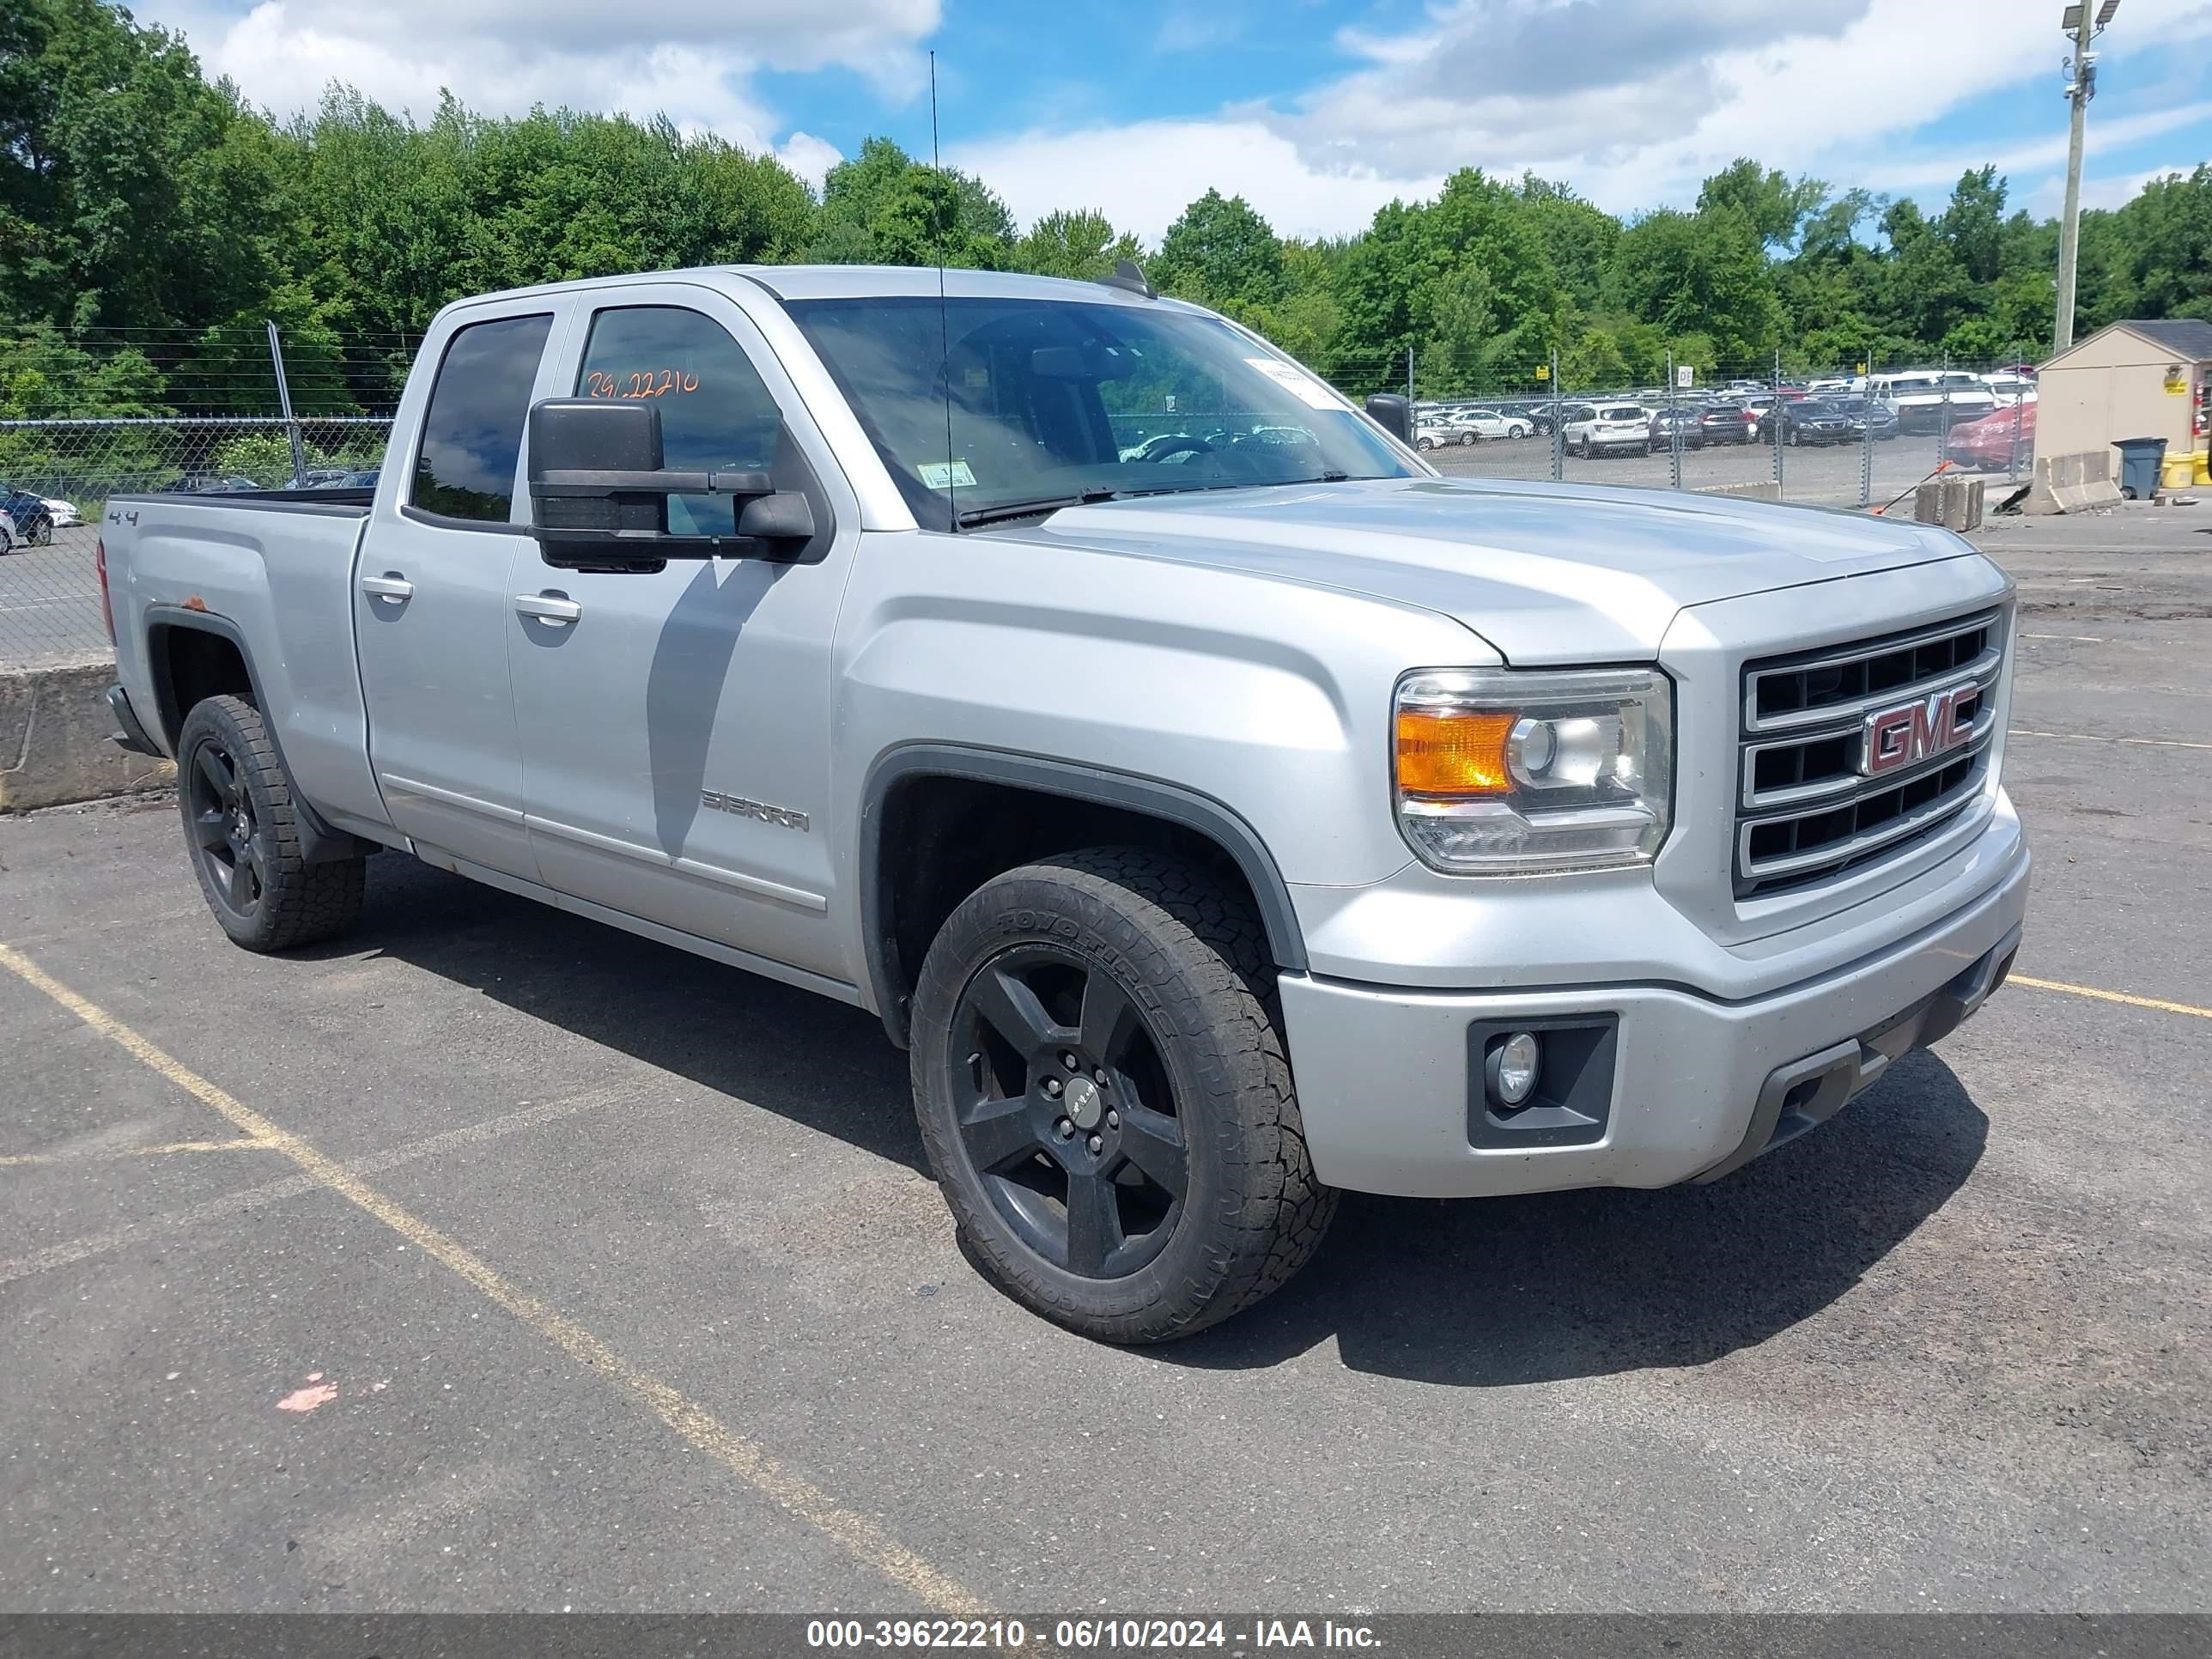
[1161, 1183]
[1516, 431]
[242, 829]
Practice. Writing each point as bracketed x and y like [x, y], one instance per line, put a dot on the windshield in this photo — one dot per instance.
[1002, 402]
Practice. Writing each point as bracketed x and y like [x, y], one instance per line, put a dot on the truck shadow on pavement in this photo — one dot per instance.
[1474, 1294]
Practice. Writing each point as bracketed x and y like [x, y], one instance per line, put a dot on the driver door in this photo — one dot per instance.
[676, 723]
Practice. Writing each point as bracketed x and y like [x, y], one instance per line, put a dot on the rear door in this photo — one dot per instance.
[434, 594]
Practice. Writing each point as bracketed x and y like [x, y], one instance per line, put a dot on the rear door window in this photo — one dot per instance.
[472, 429]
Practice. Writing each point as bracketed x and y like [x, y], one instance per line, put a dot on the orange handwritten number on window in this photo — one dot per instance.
[646, 383]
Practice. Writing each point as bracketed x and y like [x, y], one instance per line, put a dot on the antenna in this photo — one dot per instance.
[943, 323]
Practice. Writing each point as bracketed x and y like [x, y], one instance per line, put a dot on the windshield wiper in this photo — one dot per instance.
[1005, 510]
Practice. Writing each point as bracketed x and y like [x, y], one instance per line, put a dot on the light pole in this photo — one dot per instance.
[2081, 87]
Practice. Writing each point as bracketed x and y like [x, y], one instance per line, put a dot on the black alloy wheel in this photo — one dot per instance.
[243, 822]
[1065, 1110]
[228, 836]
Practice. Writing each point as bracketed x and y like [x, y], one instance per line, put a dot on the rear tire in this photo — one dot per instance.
[1179, 1191]
[241, 822]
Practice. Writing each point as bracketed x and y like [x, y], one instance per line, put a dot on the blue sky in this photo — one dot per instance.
[1316, 112]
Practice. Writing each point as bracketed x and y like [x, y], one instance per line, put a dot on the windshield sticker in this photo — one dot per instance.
[945, 475]
[1309, 392]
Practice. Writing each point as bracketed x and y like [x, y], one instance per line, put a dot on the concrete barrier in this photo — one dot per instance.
[2070, 483]
[1954, 503]
[1764, 489]
[53, 740]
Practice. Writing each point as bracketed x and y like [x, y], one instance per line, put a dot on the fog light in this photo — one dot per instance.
[1514, 1064]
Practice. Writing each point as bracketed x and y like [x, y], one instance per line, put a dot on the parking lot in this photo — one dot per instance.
[491, 1259]
[1832, 475]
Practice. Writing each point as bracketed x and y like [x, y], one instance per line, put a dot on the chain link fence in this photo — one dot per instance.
[1861, 435]
[56, 476]
[98, 415]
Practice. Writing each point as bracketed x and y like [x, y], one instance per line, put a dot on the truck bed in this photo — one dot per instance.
[275, 571]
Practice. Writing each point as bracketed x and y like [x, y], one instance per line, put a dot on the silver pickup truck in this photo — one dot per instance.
[1223, 809]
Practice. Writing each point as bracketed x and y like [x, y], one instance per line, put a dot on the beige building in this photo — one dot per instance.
[2132, 379]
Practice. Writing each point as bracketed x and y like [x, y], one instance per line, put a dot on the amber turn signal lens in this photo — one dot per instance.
[1448, 754]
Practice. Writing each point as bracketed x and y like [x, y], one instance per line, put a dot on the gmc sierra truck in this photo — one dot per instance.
[1223, 809]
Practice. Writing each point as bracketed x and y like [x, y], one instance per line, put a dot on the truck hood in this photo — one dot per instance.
[1545, 572]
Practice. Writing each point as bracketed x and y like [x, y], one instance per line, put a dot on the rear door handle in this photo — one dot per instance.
[391, 589]
[550, 609]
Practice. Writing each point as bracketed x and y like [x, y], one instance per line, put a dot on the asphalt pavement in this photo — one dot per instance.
[490, 1259]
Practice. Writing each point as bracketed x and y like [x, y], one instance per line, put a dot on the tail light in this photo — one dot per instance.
[106, 608]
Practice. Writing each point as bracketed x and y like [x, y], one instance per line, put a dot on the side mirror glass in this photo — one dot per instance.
[1392, 414]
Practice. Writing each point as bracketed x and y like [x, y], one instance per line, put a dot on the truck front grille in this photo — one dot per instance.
[1806, 812]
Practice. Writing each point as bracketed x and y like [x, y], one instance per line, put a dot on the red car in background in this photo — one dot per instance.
[1990, 443]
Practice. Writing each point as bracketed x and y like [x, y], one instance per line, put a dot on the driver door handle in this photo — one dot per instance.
[548, 608]
[391, 589]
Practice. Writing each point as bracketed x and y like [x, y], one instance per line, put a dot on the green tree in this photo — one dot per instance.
[1702, 272]
[1973, 223]
[132, 193]
[1771, 206]
[1221, 252]
[1081, 245]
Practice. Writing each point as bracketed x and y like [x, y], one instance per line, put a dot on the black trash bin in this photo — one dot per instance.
[2141, 459]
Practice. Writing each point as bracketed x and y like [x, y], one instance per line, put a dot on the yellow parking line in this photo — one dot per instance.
[2108, 996]
[742, 1457]
[18, 1159]
[482, 1132]
[2087, 737]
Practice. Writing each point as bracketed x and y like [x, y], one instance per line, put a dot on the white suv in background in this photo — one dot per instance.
[1611, 426]
[1478, 423]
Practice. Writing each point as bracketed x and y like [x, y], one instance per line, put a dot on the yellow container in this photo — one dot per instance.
[2204, 467]
[2180, 470]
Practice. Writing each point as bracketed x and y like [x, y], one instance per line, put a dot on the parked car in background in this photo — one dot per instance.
[66, 517]
[1807, 421]
[1611, 429]
[1726, 423]
[1665, 422]
[1926, 399]
[365, 479]
[1534, 414]
[1860, 410]
[7, 532]
[2010, 388]
[33, 519]
[1434, 432]
[210, 484]
[1995, 443]
[1481, 423]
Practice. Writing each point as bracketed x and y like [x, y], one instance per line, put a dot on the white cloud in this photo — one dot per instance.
[1633, 102]
[1142, 176]
[810, 157]
[2113, 191]
[680, 58]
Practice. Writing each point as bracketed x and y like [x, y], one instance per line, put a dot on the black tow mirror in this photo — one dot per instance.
[1392, 414]
[599, 493]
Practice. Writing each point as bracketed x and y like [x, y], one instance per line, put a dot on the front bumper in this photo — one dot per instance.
[1389, 1088]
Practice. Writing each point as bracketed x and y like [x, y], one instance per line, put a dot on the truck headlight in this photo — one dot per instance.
[1505, 772]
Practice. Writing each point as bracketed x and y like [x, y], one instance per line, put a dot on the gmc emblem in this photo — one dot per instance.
[1920, 730]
